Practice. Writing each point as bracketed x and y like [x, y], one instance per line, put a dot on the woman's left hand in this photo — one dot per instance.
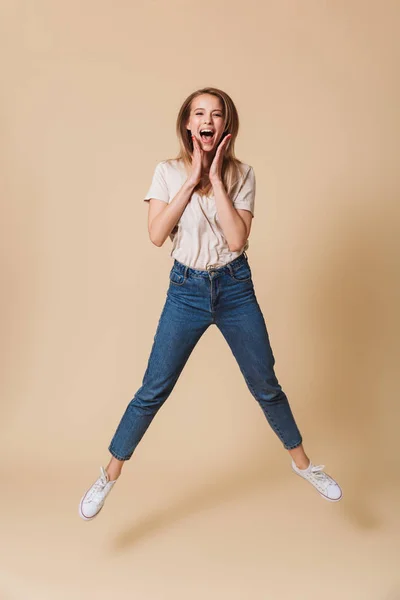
[215, 174]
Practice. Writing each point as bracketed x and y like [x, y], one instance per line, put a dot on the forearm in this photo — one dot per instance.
[165, 221]
[232, 224]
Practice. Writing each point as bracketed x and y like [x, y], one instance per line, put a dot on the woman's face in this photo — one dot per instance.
[206, 113]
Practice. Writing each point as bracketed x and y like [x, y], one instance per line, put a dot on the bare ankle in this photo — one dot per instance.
[302, 464]
[114, 468]
[113, 475]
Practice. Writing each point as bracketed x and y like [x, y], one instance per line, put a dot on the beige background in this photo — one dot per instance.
[208, 506]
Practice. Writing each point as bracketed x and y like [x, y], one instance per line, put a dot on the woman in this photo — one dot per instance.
[204, 201]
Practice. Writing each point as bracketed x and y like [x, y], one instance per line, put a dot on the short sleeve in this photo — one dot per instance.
[158, 188]
[245, 198]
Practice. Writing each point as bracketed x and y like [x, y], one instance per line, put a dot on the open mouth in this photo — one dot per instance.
[207, 136]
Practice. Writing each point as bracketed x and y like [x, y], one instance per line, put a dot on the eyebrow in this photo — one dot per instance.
[215, 109]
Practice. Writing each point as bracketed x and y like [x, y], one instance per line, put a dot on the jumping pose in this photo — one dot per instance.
[204, 201]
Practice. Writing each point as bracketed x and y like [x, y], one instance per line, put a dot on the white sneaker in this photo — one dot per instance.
[92, 502]
[326, 485]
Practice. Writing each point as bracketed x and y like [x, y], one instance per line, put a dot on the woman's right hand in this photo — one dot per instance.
[197, 163]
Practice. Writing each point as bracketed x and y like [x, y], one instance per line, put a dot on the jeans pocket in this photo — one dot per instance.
[176, 278]
[242, 272]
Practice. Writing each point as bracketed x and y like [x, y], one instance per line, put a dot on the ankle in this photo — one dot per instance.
[114, 468]
[113, 475]
[302, 465]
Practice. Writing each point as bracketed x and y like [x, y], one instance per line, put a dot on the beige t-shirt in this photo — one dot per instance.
[197, 239]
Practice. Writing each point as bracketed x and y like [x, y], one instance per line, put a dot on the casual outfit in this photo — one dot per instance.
[197, 239]
[208, 285]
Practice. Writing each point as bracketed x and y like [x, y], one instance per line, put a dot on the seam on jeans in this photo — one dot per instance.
[272, 420]
[295, 446]
[117, 456]
[275, 426]
[184, 275]
[232, 273]
[204, 273]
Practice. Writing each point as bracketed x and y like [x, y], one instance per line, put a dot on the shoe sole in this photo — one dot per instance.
[320, 493]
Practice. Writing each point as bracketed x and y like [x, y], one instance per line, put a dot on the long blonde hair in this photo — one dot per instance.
[231, 171]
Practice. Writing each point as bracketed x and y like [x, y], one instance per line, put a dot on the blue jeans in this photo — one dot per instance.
[195, 300]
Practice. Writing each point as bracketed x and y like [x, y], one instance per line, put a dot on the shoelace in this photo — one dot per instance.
[319, 474]
[97, 487]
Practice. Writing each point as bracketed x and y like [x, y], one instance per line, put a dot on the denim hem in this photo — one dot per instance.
[295, 446]
[117, 456]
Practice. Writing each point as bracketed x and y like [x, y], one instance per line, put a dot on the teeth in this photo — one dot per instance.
[203, 130]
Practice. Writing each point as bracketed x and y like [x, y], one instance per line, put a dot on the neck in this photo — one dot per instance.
[208, 157]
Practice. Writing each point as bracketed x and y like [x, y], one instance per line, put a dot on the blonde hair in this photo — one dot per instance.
[231, 166]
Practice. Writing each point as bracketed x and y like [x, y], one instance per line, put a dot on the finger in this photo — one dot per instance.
[220, 149]
[197, 150]
[195, 145]
[224, 142]
[227, 139]
[196, 142]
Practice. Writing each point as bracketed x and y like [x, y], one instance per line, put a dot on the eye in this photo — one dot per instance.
[199, 114]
